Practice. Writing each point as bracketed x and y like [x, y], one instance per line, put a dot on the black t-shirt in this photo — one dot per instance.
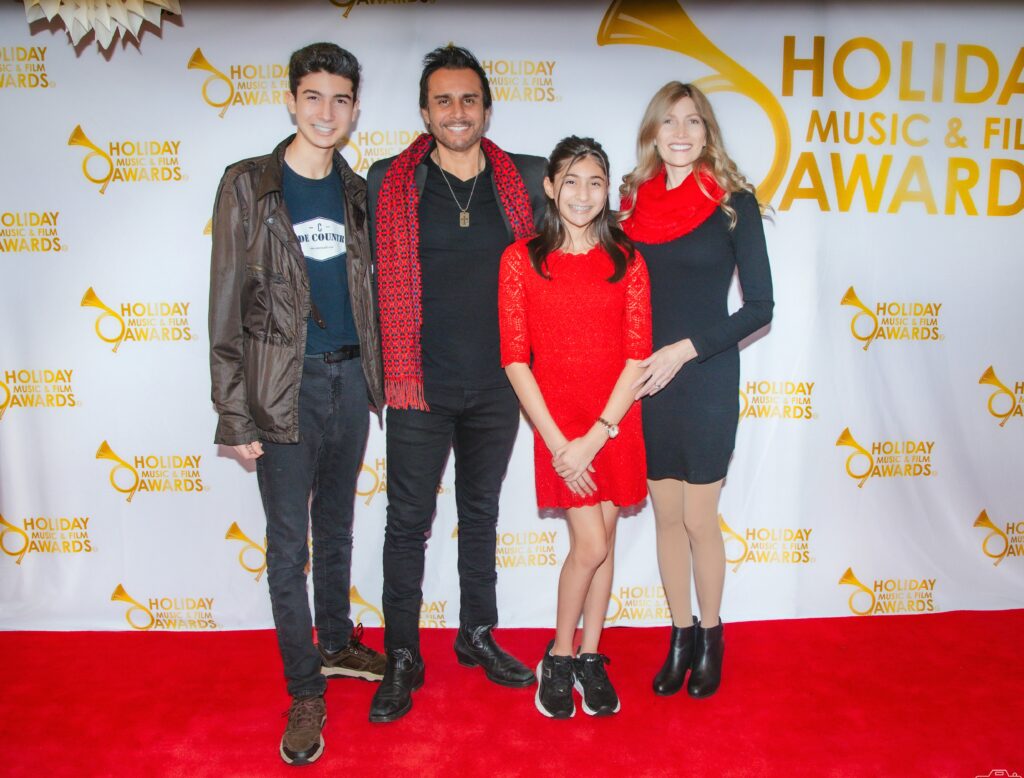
[317, 209]
[459, 274]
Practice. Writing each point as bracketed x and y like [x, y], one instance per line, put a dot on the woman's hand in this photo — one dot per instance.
[662, 366]
[252, 450]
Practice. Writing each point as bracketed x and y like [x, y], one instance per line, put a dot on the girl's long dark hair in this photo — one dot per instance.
[606, 228]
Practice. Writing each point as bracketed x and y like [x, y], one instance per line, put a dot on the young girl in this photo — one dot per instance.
[575, 298]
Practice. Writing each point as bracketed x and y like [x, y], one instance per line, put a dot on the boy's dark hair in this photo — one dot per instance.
[323, 58]
[452, 57]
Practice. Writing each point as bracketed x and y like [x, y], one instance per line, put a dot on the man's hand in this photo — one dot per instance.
[252, 450]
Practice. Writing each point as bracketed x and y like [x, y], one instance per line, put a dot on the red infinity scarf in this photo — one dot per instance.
[398, 262]
[664, 214]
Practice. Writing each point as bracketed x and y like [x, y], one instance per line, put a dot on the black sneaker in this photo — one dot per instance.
[599, 697]
[303, 741]
[554, 686]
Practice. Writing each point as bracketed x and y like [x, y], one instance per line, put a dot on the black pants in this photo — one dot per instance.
[481, 426]
[333, 426]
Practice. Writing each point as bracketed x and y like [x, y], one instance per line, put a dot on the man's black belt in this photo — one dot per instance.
[343, 353]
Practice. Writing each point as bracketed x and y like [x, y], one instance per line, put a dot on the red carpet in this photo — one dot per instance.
[936, 695]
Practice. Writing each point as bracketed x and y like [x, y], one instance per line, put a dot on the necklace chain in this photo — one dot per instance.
[463, 212]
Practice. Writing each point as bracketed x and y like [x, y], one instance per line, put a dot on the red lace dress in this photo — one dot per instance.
[580, 330]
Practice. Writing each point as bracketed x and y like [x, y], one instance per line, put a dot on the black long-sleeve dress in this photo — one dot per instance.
[690, 424]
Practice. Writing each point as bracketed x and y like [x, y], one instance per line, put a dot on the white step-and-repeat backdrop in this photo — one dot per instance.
[877, 468]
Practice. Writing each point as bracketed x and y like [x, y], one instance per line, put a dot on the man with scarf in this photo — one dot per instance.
[444, 210]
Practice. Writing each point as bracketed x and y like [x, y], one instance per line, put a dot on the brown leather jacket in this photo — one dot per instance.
[259, 301]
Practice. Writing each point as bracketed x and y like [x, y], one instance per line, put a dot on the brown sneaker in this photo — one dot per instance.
[354, 661]
[303, 741]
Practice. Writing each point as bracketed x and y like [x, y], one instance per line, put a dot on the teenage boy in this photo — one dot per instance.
[295, 365]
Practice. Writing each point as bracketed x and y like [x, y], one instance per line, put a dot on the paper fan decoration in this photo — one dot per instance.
[109, 18]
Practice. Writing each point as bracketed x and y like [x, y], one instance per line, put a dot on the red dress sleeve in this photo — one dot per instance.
[512, 319]
[638, 310]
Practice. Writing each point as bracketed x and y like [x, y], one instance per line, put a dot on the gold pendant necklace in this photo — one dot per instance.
[463, 212]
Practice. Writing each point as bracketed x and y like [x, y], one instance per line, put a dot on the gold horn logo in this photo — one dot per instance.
[6, 394]
[19, 550]
[984, 522]
[664, 24]
[120, 595]
[208, 229]
[851, 580]
[365, 608]
[348, 5]
[79, 138]
[198, 62]
[357, 161]
[91, 300]
[377, 483]
[614, 609]
[256, 552]
[989, 377]
[851, 299]
[846, 439]
[106, 452]
[744, 404]
[732, 535]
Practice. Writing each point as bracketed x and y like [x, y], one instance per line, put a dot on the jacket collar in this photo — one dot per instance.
[270, 180]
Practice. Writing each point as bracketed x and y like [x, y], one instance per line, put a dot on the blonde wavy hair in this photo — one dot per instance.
[713, 158]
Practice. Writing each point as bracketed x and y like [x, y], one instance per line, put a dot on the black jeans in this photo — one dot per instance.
[334, 423]
[481, 426]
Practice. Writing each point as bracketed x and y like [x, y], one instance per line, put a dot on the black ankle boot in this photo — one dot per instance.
[670, 677]
[706, 673]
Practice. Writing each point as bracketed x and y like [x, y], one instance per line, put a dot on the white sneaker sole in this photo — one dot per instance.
[540, 705]
[340, 672]
[588, 710]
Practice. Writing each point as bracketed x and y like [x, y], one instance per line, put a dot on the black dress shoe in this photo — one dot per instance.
[670, 677]
[402, 676]
[476, 646]
[706, 674]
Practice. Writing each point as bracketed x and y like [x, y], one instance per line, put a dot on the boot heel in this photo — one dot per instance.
[672, 674]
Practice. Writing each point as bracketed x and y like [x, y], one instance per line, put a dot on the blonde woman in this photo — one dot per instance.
[696, 221]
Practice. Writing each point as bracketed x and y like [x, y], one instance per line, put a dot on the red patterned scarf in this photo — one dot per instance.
[398, 262]
[664, 214]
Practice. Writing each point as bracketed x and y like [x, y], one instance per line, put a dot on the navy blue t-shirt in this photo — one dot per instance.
[317, 209]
